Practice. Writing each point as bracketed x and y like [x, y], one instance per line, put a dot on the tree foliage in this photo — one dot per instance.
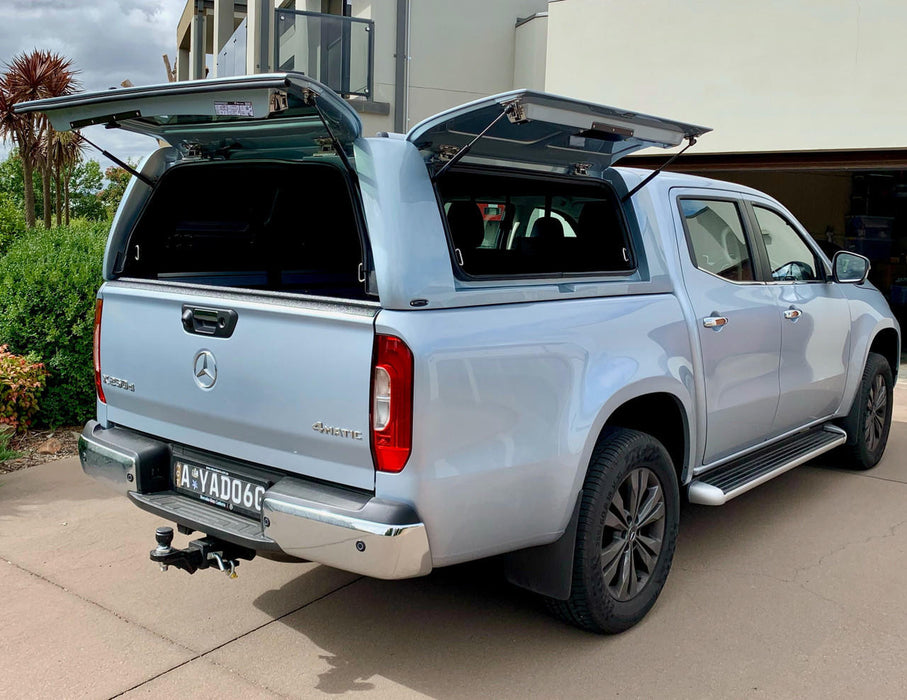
[37, 75]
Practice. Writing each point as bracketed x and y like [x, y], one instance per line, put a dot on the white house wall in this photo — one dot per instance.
[767, 75]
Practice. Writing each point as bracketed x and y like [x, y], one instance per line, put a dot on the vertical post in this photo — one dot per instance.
[345, 48]
[401, 74]
[182, 64]
[223, 27]
[259, 22]
[197, 42]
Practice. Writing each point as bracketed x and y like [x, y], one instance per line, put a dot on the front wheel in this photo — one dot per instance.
[626, 535]
[869, 420]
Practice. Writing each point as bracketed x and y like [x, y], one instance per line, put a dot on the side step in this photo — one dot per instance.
[717, 486]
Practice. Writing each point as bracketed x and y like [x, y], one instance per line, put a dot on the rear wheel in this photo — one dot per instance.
[626, 534]
[869, 420]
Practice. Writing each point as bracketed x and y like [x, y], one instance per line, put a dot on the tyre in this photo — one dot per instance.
[626, 535]
[869, 420]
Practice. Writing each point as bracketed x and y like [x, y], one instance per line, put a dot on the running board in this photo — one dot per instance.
[719, 485]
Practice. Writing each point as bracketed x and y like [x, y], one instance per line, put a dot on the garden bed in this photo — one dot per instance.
[40, 446]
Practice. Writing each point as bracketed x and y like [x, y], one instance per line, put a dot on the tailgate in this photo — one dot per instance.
[287, 386]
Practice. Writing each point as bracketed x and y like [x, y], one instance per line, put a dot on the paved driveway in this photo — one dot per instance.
[797, 589]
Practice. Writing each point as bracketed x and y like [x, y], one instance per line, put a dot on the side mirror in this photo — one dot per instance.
[849, 268]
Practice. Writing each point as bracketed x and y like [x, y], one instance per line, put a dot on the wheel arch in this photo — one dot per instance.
[671, 428]
[887, 343]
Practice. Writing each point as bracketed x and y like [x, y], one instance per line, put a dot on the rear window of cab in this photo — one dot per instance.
[504, 225]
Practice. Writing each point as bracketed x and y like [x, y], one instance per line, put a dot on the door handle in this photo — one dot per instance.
[716, 322]
[792, 314]
[218, 323]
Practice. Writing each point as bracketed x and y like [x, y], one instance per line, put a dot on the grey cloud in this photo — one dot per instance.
[108, 40]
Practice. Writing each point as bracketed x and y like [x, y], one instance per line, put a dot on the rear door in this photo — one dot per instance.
[736, 318]
[279, 382]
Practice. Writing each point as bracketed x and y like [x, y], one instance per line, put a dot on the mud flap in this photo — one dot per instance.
[546, 569]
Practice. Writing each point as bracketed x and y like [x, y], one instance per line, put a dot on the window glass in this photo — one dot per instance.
[790, 259]
[716, 237]
[512, 226]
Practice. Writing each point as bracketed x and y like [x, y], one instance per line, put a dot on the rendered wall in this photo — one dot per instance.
[461, 51]
[767, 75]
[530, 54]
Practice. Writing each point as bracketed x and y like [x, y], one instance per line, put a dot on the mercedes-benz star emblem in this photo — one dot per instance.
[205, 369]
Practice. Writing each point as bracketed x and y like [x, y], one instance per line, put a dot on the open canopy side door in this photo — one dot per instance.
[256, 112]
[544, 130]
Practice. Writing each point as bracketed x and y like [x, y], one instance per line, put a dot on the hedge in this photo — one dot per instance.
[48, 282]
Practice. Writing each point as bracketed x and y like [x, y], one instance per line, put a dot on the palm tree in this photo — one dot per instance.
[21, 129]
[35, 76]
[65, 153]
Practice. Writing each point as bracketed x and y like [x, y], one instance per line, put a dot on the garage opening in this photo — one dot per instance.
[847, 200]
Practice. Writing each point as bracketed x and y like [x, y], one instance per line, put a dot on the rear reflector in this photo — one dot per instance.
[96, 351]
[392, 404]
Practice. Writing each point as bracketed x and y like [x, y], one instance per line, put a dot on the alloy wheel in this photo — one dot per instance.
[634, 534]
[876, 413]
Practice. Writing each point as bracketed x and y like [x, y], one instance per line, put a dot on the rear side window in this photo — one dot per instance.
[273, 226]
[717, 243]
[505, 226]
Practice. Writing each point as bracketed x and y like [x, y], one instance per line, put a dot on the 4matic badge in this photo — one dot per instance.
[320, 427]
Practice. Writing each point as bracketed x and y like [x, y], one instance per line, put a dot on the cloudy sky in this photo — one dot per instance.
[108, 40]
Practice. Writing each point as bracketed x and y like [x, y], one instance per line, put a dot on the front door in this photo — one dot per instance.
[815, 324]
[737, 321]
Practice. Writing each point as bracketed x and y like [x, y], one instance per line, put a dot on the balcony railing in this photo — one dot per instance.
[337, 51]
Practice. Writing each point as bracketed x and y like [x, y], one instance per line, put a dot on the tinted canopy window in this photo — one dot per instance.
[510, 226]
[276, 226]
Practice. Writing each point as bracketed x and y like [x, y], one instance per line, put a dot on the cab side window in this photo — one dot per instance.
[717, 242]
[790, 259]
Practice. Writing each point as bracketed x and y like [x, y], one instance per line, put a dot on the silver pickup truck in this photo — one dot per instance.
[480, 338]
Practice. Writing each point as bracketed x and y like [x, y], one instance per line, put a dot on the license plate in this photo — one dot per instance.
[219, 487]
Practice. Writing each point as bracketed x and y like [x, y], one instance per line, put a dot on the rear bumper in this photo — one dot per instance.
[326, 524]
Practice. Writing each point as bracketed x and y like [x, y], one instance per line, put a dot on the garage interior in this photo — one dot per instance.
[852, 200]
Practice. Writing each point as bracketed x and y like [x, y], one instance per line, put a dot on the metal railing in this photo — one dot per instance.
[337, 51]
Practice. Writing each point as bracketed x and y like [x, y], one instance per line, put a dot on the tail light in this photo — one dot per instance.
[96, 351]
[392, 404]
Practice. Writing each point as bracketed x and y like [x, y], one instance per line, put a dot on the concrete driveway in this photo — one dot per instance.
[797, 589]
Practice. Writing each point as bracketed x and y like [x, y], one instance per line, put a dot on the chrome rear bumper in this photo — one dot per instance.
[330, 525]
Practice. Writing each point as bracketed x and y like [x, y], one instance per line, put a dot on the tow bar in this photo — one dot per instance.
[208, 552]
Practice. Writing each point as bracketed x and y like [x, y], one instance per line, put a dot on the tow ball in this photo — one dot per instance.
[205, 553]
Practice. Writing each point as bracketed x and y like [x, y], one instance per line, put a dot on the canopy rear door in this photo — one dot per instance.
[545, 130]
[256, 112]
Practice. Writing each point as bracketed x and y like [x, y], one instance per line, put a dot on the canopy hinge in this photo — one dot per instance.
[278, 101]
[447, 151]
[513, 110]
[309, 97]
[325, 143]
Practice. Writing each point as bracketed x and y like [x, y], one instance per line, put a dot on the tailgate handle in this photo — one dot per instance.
[217, 323]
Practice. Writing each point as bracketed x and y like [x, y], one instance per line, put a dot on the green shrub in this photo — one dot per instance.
[48, 282]
[12, 221]
[22, 380]
[6, 452]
